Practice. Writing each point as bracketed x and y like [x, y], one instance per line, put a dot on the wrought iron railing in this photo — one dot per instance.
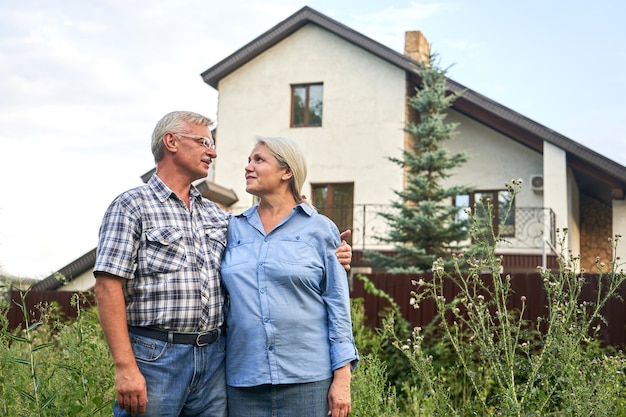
[533, 225]
[530, 226]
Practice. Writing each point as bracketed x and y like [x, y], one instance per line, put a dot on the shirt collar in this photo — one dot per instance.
[302, 207]
[163, 192]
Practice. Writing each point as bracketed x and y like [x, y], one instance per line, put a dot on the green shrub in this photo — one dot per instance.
[55, 368]
[372, 395]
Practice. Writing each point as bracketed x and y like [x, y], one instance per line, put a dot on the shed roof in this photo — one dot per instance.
[67, 273]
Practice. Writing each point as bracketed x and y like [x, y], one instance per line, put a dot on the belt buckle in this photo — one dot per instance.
[198, 339]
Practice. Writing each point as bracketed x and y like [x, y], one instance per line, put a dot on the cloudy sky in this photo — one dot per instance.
[82, 83]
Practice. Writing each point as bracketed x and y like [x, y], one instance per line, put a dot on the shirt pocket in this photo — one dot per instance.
[239, 252]
[294, 251]
[215, 241]
[165, 250]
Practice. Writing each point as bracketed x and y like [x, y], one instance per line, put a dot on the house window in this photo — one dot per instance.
[306, 105]
[336, 202]
[503, 222]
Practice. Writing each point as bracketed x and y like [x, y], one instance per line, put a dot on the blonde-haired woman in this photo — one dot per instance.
[290, 348]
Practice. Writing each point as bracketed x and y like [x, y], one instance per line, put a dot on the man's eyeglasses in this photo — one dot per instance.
[204, 140]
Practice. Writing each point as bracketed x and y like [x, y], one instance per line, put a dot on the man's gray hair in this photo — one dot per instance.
[175, 121]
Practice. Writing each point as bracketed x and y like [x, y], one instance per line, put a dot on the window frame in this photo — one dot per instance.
[499, 229]
[330, 210]
[307, 104]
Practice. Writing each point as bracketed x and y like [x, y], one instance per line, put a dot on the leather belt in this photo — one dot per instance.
[197, 339]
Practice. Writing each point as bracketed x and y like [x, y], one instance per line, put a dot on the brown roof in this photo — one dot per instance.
[584, 161]
[67, 273]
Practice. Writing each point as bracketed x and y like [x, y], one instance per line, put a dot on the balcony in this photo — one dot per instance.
[525, 231]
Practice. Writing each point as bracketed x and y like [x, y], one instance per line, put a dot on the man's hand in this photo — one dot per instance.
[132, 395]
[130, 384]
[344, 252]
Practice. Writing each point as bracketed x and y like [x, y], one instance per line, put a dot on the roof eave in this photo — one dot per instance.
[67, 273]
[529, 132]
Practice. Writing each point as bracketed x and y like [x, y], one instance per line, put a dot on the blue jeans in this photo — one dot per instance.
[285, 400]
[182, 380]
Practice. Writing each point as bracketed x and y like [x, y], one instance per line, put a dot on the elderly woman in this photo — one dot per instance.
[289, 344]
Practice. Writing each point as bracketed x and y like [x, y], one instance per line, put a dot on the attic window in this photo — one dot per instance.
[306, 105]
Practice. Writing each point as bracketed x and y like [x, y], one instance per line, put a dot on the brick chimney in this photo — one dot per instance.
[416, 46]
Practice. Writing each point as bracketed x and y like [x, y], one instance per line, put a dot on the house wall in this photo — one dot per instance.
[363, 120]
[619, 228]
[574, 207]
[494, 160]
[363, 115]
[555, 189]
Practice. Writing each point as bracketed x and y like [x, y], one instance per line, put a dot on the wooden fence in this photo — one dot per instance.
[530, 285]
[33, 299]
[399, 287]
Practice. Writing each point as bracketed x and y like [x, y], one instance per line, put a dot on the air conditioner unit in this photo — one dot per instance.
[536, 182]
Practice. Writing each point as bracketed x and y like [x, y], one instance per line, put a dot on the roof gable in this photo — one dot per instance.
[470, 103]
[284, 29]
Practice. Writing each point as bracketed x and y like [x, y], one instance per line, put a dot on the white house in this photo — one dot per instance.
[343, 97]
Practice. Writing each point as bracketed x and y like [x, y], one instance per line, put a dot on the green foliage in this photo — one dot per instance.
[372, 395]
[496, 363]
[378, 343]
[54, 368]
[424, 225]
[366, 338]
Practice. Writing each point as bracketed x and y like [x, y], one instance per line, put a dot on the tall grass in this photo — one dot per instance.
[54, 368]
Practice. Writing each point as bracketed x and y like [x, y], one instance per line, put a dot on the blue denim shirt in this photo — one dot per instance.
[289, 315]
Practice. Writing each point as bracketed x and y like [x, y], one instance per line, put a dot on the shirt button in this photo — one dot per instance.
[266, 320]
[262, 290]
[271, 348]
[267, 239]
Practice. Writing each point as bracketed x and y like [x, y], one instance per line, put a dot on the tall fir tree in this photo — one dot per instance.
[424, 223]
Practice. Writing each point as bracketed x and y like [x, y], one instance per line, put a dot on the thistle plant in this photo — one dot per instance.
[506, 364]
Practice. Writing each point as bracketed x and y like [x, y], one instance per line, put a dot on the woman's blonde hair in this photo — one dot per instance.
[288, 154]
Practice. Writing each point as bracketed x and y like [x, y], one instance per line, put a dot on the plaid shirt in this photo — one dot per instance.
[169, 255]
